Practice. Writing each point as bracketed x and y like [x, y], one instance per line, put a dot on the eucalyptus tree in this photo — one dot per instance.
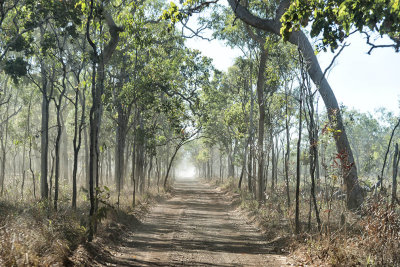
[98, 12]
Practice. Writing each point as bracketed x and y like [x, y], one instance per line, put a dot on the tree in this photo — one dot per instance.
[98, 75]
[298, 38]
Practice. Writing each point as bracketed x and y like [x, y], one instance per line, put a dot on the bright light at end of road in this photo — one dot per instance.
[187, 172]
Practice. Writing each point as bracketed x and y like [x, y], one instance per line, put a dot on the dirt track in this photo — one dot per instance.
[197, 227]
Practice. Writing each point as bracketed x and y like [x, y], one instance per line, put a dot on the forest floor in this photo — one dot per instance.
[198, 226]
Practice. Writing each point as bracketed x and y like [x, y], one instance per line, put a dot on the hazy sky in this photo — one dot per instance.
[361, 81]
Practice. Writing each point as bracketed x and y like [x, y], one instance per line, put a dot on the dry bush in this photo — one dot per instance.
[381, 235]
[372, 240]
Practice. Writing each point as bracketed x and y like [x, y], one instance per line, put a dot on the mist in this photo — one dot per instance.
[185, 170]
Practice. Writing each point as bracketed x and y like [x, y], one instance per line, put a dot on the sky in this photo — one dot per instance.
[360, 81]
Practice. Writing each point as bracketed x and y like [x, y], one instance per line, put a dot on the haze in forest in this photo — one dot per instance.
[128, 139]
[185, 170]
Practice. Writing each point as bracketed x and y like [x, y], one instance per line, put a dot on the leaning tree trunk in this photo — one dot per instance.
[298, 38]
[170, 164]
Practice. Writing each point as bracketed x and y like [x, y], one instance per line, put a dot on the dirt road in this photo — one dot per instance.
[197, 227]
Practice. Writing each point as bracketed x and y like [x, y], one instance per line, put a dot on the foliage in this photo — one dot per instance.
[335, 19]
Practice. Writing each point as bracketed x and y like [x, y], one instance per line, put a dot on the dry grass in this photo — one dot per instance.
[33, 234]
[370, 237]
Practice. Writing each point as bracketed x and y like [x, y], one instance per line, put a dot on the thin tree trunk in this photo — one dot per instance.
[57, 157]
[170, 165]
[44, 190]
[274, 156]
[297, 215]
[77, 141]
[261, 107]
[133, 173]
[149, 172]
[396, 159]
[287, 154]
[4, 138]
[87, 169]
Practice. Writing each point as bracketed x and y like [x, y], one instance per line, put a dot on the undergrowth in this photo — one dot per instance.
[33, 234]
[369, 237]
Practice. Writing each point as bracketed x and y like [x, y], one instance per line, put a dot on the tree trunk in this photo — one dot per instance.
[297, 215]
[274, 159]
[133, 173]
[313, 140]
[30, 148]
[396, 159]
[77, 141]
[220, 166]
[170, 165]
[64, 150]
[287, 154]
[87, 169]
[149, 172]
[57, 156]
[231, 167]
[60, 126]
[4, 138]
[44, 188]
[261, 107]
[120, 140]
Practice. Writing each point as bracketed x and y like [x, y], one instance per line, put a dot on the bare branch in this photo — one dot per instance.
[333, 61]
[396, 45]
[195, 33]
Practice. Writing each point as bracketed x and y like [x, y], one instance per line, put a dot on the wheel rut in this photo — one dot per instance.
[197, 227]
